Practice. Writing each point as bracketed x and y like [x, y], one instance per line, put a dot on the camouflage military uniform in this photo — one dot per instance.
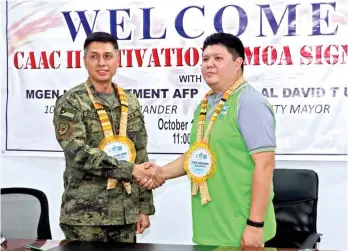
[86, 201]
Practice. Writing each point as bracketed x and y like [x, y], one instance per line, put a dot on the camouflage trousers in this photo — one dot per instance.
[120, 234]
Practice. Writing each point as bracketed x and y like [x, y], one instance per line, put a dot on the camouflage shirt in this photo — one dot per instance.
[85, 200]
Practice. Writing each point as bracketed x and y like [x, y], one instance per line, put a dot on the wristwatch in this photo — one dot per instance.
[255, 224]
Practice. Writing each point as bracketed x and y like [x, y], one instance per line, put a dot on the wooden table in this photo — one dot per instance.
[19, 245]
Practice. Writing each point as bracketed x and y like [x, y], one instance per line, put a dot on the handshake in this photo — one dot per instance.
[148, 175]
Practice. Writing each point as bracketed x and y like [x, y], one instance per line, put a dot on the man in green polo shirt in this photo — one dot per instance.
[231, 157]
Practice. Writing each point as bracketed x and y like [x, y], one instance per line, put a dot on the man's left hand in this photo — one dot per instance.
[252, 237]
[143, 223]
[156, 177]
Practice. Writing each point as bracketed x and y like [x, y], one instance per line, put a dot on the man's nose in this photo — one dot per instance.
[210, 63]
[101, 61]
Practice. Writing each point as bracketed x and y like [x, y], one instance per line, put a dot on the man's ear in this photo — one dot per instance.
[84, 61]
[118, 56]
[239, 62]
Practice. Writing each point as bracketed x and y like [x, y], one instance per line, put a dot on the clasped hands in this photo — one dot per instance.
[148, 175]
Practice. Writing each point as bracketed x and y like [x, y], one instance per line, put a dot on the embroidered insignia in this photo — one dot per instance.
[63, 128]
[223, 112]
[90, 114]
[67, 113]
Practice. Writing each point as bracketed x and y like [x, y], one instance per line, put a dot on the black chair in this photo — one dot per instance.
[295, 202]
[24, 214]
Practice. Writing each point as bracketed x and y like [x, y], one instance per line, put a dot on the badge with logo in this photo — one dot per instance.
[119, 147]
[200, 163]
[200, 166]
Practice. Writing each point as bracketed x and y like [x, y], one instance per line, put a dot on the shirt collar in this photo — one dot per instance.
[217, 96]
[97, 97]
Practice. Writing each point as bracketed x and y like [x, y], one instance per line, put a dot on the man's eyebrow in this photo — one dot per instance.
[96, 52]
[212, 54]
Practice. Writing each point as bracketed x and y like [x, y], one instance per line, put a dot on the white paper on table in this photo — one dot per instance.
[49, 244]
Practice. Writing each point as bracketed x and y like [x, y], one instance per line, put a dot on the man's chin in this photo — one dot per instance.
[212, 84]
[103, 79]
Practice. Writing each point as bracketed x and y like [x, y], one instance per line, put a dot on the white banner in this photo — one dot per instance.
[296, 55]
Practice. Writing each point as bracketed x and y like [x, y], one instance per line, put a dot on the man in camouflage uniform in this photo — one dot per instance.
[90, 211]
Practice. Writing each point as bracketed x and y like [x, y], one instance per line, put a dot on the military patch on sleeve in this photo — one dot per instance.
[67, 114]
[65, 130]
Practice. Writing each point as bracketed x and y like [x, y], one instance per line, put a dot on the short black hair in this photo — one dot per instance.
[232, 43]
[102, 37]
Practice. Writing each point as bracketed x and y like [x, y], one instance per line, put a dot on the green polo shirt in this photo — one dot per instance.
[244, 126]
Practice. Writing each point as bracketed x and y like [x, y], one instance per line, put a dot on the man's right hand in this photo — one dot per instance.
[148, 175]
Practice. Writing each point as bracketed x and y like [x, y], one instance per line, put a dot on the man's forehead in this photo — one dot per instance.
[102, 51]
[215, 50]
[98, 47]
